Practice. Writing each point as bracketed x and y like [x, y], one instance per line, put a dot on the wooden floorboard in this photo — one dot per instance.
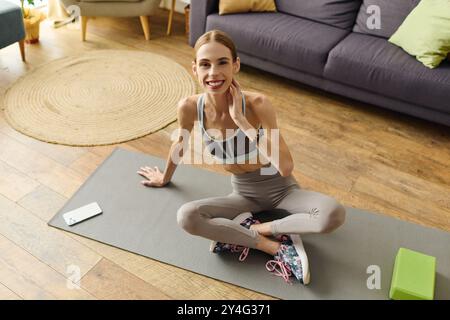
[364, 156]
[47, 244]
[7, 294]
[109, 281]
[30, 278]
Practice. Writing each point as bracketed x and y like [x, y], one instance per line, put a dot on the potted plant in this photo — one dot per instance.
[31, 19]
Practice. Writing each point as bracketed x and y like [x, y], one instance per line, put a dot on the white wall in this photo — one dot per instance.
[179, 5]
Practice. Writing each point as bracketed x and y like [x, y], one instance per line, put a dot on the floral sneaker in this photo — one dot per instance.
[246, 220]
[283, 238]
[290, 260]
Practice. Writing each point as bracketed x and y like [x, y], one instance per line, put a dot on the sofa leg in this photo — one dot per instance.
[83, 27]
[145, 26]
[169, 25]
[22, 49]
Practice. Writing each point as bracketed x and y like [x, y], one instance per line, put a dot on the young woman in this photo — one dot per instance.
[228, 220]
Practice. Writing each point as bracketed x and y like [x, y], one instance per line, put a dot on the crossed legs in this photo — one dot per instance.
[211, 218]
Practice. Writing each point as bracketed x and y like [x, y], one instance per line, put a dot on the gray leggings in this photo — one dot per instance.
[310, 212]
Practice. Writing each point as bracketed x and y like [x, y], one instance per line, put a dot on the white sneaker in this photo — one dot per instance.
[298, 244]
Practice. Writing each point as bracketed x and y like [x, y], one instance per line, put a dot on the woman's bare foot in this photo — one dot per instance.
[267, 245]
[263, 228]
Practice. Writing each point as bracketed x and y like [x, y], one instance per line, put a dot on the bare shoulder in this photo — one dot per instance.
[258, 103]
[187, 112]
[255, 99]
[187, 107]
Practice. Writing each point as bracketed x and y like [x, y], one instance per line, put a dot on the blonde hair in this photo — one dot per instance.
[216, 36]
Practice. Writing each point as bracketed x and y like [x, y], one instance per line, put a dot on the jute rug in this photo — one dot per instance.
[97, 98]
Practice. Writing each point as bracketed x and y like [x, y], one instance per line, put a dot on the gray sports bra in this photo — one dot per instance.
[236, 148]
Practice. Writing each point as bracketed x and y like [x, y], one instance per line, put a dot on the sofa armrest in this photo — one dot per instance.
[200, 9]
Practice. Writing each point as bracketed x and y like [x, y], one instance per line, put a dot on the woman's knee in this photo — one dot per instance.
[187, 217]
[335, 218]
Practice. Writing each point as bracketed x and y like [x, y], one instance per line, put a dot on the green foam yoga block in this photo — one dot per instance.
[413, 277]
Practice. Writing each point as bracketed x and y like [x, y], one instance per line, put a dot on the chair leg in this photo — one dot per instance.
[169, 25]
[145, 26]
[84, 20]
[22, 49]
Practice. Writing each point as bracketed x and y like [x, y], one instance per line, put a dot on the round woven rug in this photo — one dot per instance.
[97, 98]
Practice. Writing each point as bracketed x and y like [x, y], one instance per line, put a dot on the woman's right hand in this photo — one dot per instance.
[155, 178]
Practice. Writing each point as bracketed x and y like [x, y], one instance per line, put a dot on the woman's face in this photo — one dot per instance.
[214, 67]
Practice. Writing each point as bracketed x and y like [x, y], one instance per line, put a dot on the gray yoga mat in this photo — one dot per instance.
[143, 220]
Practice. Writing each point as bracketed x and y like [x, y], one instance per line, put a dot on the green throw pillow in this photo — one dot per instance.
[425, 33]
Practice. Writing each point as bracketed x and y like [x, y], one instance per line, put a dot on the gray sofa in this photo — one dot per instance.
[328, 44]
[11, 26]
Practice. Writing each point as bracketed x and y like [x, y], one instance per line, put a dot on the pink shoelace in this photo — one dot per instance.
[244, 251]
[280, 269]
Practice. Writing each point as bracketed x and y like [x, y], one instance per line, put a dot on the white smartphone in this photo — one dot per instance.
[82, 213]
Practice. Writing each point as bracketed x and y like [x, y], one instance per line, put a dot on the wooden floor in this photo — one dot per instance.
[364, 156]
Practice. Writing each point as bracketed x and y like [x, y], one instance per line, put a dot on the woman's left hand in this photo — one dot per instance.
[234, 97]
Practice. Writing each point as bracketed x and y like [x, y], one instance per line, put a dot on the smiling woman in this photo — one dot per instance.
[259, 184]
[222, 61]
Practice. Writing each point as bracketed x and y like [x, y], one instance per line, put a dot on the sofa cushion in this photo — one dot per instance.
[338, 13]
[378, 66]
[11, 23]
[109, 0]
[290, 41]
[233, 6]
[425, 33]
[391, 13]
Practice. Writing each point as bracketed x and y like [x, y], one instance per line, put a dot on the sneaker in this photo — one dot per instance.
[290, 260]
[283, 238]
[246, 220]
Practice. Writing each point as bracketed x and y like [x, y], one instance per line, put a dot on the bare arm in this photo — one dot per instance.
[271, 145]
[186, 117]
